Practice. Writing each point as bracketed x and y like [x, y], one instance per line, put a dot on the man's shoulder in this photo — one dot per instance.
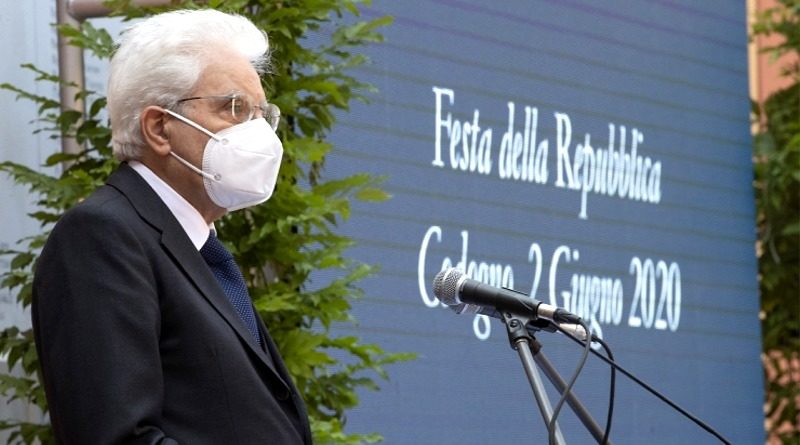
[113, 201]
[107, 209]
[104, 203]
[103, 222]
[125, 207]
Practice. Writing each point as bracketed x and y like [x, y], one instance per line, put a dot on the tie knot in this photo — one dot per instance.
[214, 252]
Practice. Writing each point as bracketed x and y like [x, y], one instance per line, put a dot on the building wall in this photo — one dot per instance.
[27, 37]
[765, 70]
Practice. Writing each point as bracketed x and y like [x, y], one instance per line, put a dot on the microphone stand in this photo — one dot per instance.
[520, 340]
[557, 381]
[520, 335]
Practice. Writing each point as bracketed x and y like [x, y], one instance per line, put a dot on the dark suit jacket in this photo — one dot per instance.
[137, 341]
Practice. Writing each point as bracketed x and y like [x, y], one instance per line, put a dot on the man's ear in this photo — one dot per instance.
[152, 122]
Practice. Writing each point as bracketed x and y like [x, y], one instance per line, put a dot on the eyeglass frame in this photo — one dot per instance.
[269, 111]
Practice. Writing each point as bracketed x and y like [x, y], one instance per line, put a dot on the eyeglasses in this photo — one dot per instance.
[239, 109]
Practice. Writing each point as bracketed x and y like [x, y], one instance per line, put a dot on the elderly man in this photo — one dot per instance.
[143, 324]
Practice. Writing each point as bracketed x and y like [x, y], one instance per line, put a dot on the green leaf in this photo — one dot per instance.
[22, 260]
[58, 158]
[791, 229]
[98, 41]
[97, 106]
[372, 194]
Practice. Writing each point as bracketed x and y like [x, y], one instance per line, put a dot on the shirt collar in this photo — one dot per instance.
[188, 217]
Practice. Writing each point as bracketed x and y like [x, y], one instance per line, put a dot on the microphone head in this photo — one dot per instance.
[445, 286]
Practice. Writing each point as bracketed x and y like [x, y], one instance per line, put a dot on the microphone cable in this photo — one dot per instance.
[611, 387]
[651, 390]
[551, 427]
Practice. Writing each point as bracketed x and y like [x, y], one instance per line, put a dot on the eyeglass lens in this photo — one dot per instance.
[242, 111]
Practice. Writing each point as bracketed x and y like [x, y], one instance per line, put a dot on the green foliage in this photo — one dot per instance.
[278, 245]
[783, 20]
[88, 37]
[777, 171]
[776, 154]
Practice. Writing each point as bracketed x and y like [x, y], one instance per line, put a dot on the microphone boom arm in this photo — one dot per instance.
[521, 340]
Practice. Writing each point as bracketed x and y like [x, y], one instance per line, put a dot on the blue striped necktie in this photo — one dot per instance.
[231, 280]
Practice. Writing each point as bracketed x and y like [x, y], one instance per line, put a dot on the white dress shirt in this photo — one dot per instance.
[189, 218]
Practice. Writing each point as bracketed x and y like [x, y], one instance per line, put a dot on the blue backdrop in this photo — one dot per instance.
[594, 154]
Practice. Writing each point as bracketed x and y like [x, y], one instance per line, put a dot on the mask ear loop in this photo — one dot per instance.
[191, 123]
[194, 124]
[216, 177]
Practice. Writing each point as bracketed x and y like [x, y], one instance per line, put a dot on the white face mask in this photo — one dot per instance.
[240, 163]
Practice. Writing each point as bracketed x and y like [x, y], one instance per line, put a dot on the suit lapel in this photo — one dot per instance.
[177, 244]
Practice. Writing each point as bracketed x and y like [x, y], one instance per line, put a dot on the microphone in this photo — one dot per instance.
[463, 294]
[541, 324]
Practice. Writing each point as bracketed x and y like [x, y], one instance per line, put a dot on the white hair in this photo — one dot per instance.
[159, 60]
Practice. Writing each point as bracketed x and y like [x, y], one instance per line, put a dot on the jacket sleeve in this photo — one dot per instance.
[96, 322]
